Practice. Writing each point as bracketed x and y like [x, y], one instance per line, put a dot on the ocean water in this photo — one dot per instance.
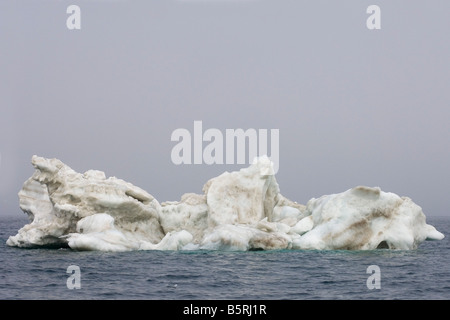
[43, 274]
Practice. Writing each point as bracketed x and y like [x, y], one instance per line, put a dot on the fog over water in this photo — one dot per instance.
[353, 106]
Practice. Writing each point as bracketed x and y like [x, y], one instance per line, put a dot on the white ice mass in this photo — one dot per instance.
[240, 210]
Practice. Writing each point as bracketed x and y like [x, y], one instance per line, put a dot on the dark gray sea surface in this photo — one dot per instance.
[44, 273]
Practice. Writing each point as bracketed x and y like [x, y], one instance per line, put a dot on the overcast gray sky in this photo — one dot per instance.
[353, 106]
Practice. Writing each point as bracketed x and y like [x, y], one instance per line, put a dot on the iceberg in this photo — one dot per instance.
[241, 210]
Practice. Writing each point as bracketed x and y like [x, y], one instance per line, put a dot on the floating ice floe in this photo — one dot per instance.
[241, 210]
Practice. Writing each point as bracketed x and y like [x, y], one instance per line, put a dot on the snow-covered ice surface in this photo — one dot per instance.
[241, 210]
